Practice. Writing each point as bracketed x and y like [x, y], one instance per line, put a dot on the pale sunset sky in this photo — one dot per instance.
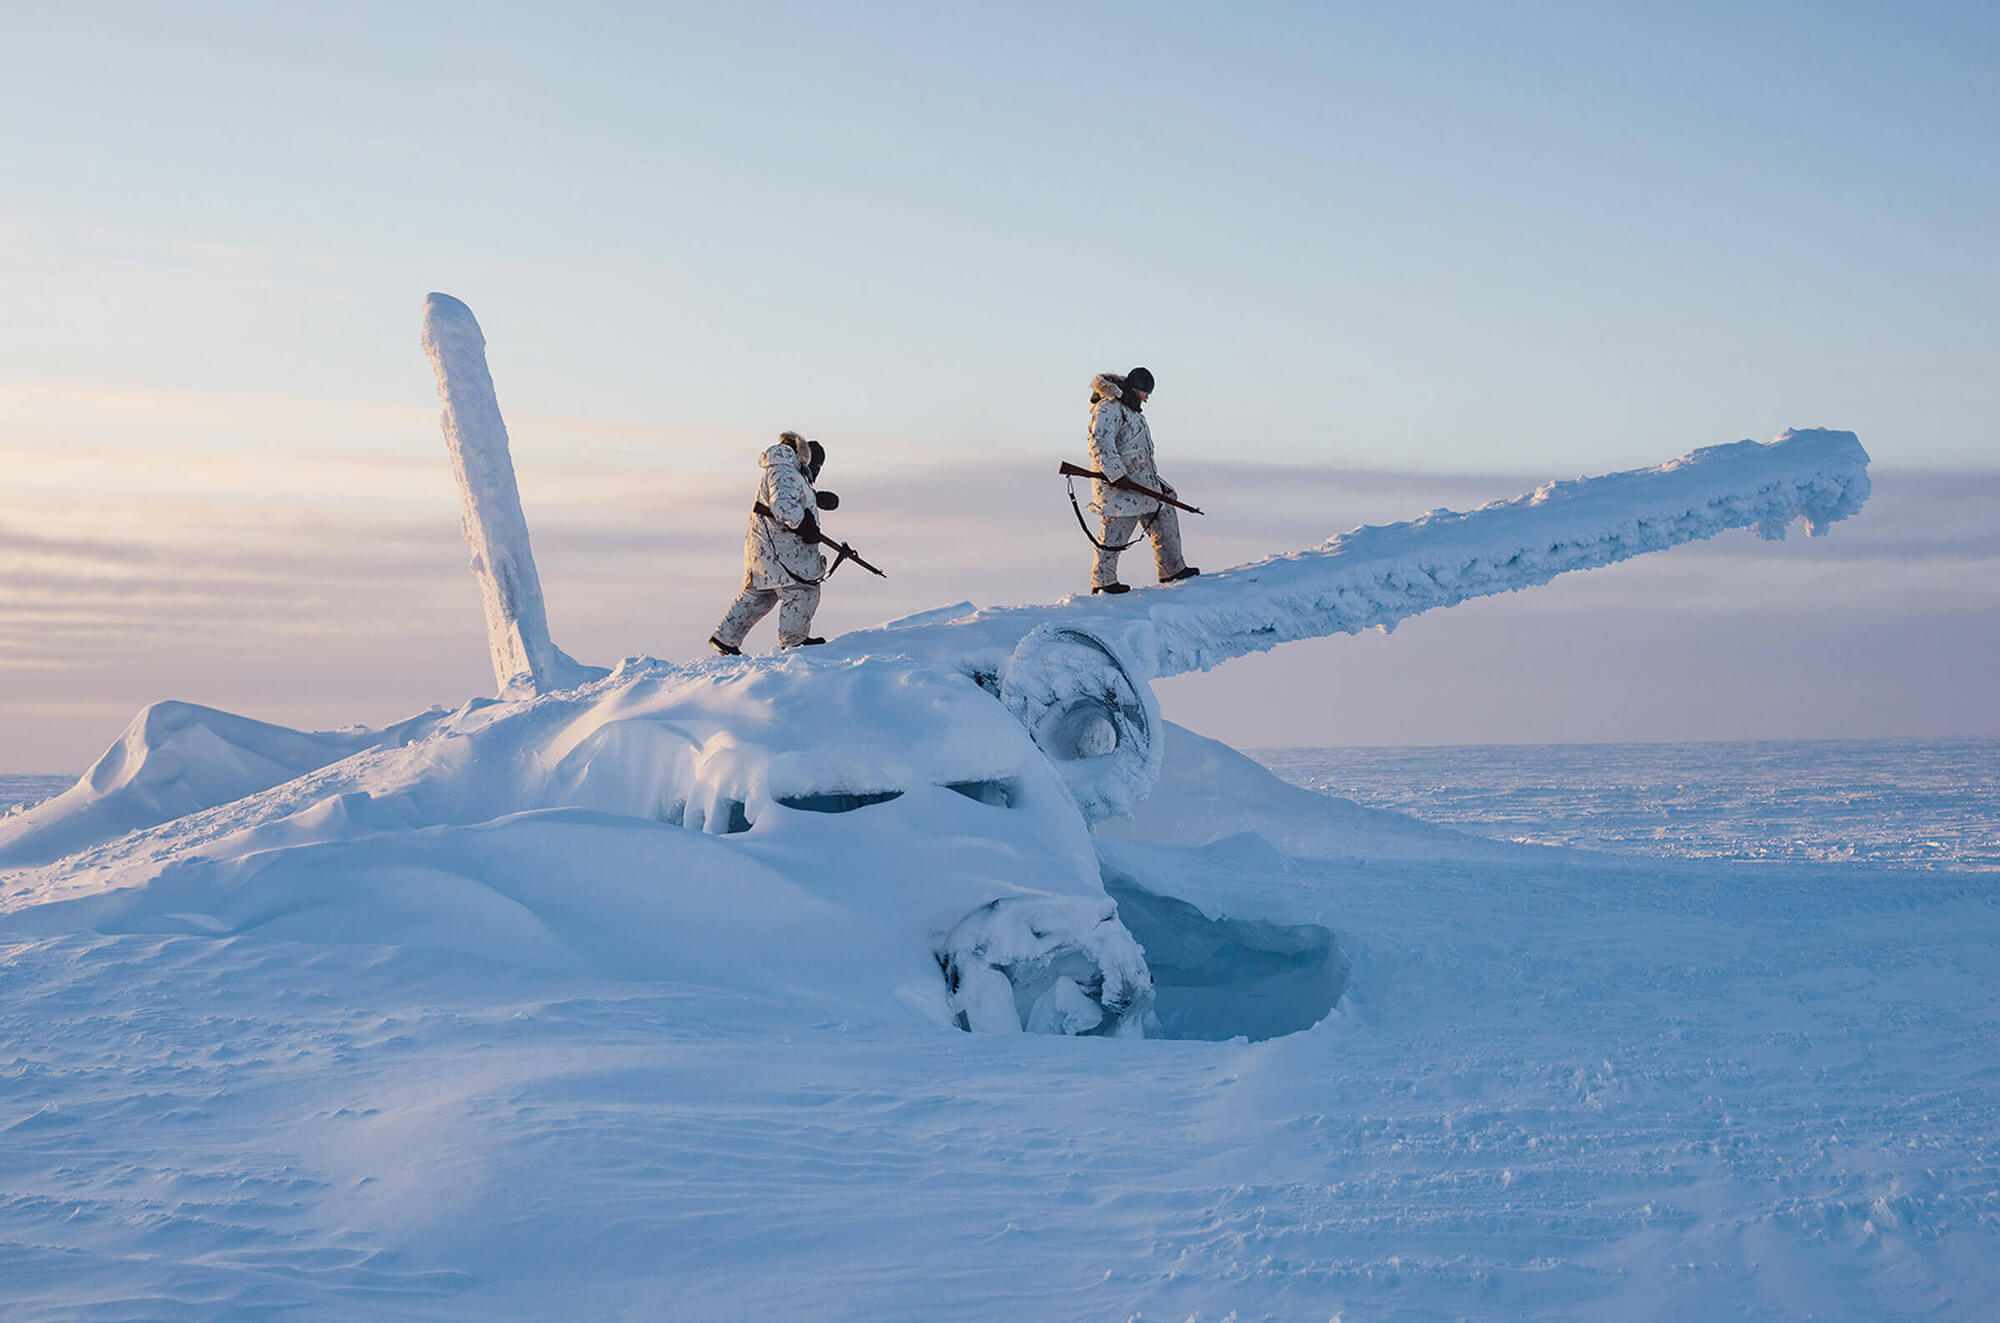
[1381, 259]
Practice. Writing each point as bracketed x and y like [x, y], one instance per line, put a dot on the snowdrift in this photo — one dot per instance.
[176, 759]
[860, 833]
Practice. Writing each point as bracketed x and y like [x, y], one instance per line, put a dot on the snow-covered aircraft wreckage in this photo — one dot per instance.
[904, 815]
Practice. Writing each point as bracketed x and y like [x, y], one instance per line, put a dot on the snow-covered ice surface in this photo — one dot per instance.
[1924, 803]
[21, 791]
[1556, 1085]
[175, 759]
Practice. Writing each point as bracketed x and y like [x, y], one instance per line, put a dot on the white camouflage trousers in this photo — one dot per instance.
[1162, 525]
[795, 602]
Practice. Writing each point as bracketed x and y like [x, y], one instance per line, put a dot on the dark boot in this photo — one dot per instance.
[805, 642]
[723, 648]
[1187, 573]
[1111, 588]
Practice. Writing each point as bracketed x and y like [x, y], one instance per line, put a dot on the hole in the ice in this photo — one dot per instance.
[737, 820]
[675, 813]
[838, 803]
[1000, 794]
[1220, 978]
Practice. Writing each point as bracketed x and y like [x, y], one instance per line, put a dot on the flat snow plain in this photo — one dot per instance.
[1930, 803]
[1559, 1084]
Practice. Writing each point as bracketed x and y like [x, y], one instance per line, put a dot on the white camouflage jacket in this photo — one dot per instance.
[771, 548]
[1121, 446]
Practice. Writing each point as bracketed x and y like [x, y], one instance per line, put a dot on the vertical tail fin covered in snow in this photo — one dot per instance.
[525, 660]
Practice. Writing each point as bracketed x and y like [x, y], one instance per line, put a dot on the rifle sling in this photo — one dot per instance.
[1085, 526]
[840, 554]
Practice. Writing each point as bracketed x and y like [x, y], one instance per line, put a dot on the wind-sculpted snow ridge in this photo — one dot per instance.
[175, 759]
[1377, 576]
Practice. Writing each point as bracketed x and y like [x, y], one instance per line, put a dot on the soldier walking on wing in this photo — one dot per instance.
[782, 565]
[1121, 447]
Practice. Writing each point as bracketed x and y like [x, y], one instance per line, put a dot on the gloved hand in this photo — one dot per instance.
[817, 453]
[808, 529]
[827, 500]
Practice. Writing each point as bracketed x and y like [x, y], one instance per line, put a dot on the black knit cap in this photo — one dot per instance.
[1139, 379]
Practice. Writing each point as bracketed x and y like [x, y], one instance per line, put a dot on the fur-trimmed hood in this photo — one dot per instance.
[781, 453]
[1107, 386]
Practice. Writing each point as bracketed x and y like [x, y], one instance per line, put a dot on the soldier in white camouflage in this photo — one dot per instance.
[1121, 446]
[782, 564]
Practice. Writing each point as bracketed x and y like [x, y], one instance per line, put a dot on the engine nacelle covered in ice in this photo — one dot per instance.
[1091, 713]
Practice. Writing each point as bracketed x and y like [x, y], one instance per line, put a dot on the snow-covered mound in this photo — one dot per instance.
[878, 821]
[176, 759]
[888, 833]
[857, 834]
[849, 834]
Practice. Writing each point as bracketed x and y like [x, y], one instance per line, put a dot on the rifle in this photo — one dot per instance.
[1069, 470]
[844, 552]
[841, 550]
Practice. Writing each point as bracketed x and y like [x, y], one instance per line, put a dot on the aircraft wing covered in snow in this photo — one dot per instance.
[1377, 576]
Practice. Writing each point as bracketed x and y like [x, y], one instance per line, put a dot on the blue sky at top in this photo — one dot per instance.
[1580, 233]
